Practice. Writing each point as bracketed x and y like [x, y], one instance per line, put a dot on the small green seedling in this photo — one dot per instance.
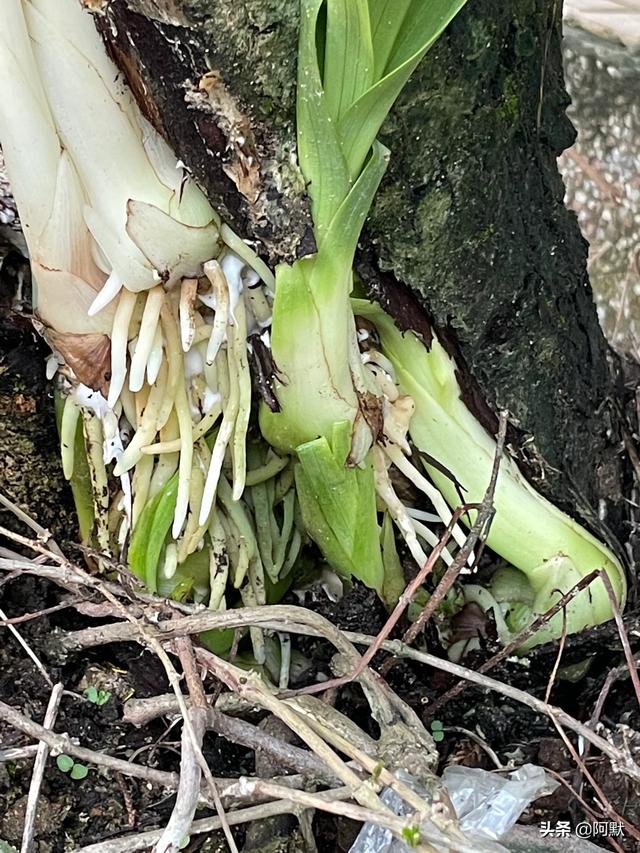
[67, 765]
[411, 835]
[437, 731]
[95, 696]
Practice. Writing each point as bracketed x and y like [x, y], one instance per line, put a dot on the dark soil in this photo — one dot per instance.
[104, 805]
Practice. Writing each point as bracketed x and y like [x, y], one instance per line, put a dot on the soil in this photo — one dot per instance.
[72, 813]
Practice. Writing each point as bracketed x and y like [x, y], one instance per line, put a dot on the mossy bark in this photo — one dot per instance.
[469, 231]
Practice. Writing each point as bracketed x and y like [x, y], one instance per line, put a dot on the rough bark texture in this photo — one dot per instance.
[218, 80]
[470, 219]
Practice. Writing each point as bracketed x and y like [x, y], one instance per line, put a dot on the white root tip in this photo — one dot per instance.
[107, 294]
[116, 385]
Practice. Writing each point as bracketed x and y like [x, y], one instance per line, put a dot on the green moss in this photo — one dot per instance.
[256, 45]
[432, 214]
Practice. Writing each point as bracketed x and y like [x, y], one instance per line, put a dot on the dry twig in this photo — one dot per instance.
[38, 771]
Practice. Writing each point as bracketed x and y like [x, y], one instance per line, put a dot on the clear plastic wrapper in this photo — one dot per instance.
[488, 805]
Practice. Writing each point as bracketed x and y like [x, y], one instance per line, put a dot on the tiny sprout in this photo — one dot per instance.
[411, 835]
[377, 770]
[67, 765]
[437, 731]
[79, 771]
[95, 696]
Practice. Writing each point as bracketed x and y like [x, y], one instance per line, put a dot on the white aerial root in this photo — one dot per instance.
[218, 300]
[397, 412]
[440, 505]
[394, 505]
[154, 362]
[238, 345]
[119, 344]
[246, 254]
[220, 447]
[178, 406]
[147, 340]
[109, 291]
[188, 294]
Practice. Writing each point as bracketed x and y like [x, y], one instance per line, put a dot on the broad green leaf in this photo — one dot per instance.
[150, 532]
[360, 125]
[348, 57]
[387, 18]
[341, 238]
[425, 21]
[339, 507]
[319, 150]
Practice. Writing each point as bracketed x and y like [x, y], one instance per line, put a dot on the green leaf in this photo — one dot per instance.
[310, 345]
[79, 771]
[387, 18]
[91, 694]
[217, 640]
[150, 533]
[341, 238]
[348, 58]
[338, 507]
[319, 151]
[64, 762]
[421, 27]
[312, 325]
[360, 125]
[80, 481]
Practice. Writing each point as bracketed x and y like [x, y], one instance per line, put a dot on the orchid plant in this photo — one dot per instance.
[151, 304]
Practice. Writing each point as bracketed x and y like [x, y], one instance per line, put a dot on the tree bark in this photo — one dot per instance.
[469, 231]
